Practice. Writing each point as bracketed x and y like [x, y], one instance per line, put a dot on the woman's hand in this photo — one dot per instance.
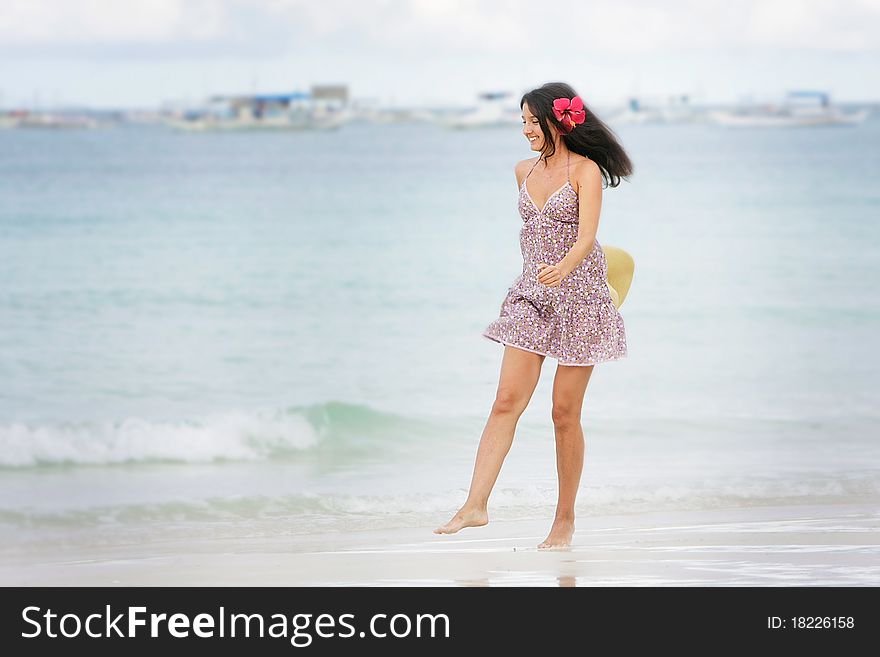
[549, 275]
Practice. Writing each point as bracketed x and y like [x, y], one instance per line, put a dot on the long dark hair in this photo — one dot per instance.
[592, 138]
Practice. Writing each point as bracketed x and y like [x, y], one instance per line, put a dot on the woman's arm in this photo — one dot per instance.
[589, 190]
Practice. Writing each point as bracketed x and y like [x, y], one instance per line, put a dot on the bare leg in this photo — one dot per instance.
[569, 387]
[520, 371]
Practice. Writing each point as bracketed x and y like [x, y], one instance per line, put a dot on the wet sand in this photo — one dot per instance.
[754, 546]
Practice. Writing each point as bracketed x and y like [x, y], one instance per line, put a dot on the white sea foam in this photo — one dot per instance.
[334, 431]
[226, 436]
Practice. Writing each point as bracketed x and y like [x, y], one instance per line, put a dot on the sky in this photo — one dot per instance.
[146, 53]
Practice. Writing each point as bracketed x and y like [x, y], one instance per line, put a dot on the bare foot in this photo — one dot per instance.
[464, 518]
[560, 535]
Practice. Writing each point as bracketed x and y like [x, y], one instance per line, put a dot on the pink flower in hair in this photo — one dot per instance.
[569, 112]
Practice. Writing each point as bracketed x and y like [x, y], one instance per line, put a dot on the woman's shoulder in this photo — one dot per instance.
[526, 164]
[584, 165]
[584, 168]
[523, 167]
[584, 172]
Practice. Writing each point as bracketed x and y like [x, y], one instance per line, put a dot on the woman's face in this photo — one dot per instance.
[532, 129]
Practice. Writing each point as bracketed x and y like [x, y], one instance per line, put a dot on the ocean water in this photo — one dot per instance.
[241, 334]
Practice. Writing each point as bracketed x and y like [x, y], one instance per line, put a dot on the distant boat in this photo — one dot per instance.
[46, 120]
[292, 111]
[223, 124]
[799, 108]
[8, 120]
[631, 114]
[674, 109]
[493, 109]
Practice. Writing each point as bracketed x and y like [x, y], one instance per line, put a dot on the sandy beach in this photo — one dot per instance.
[755, 546]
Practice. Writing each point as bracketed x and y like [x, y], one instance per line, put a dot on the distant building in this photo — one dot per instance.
[330, 93]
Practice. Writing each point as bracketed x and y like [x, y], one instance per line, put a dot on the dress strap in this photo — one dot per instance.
[567, 162]
[530, 170]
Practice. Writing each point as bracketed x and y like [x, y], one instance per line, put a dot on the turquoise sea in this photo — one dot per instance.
[245, 334]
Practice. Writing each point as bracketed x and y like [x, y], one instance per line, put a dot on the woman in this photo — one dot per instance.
[560, 306]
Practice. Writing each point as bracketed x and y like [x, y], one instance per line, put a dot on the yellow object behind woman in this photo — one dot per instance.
[620, 272]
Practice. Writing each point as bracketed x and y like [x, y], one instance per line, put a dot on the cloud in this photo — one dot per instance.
[816, 24]
[55, 22]
[424, 28]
